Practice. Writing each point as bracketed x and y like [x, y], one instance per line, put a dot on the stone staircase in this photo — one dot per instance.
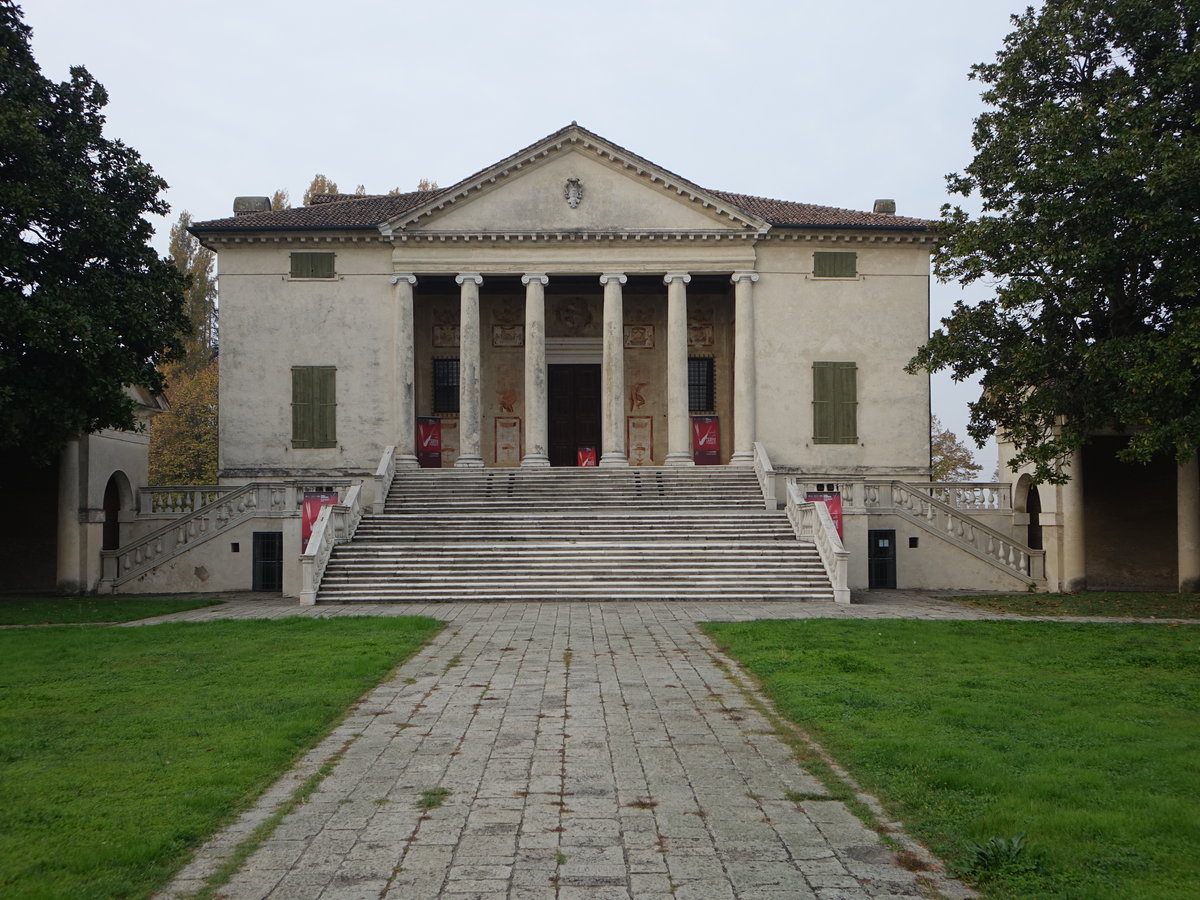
[575, 534]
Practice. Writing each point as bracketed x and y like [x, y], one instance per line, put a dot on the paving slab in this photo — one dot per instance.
[587, 750]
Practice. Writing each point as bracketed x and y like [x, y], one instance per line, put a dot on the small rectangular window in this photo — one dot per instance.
[835, 264]
[701, 388]
[314, 407]
[445, 385]
[312, 265]
[835, 403]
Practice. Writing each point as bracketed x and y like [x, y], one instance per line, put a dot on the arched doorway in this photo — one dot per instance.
[1033, 505]
[117, 497]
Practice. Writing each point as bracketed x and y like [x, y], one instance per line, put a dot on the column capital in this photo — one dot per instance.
[677, 276]
[463, 277]
[539, 277]
[618, 277]
[403, 276]
[744, 276]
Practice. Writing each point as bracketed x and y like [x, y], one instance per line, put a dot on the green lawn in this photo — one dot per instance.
[1133, 604]
[47, 610]
[1086, 737]
[122, 748]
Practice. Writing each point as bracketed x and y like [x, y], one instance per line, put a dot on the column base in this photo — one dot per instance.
[614, 461]
[469, 462]
[742, 458]
[407, 462]
[678, 459]
[535, 461]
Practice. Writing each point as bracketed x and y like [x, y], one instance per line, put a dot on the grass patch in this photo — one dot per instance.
[47, 610]
[433, 798]
[122, 749]
[1133, 604]
[1040, 759]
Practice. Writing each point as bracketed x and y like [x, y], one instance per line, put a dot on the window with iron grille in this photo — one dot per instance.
[312, 265]
[835, 264]
[445, 385]
[701, 388]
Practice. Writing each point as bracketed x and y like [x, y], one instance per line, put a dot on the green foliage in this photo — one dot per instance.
[88, 306]
[950, 458]
[91, 610]
[195, 263]
[122, 749]
[1131, 604]
[1081, 735]
[184, 439]
[1085, 166]
[998, 855]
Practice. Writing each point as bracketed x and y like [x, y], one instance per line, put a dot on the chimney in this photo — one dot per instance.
[885, 207]
[244, 206]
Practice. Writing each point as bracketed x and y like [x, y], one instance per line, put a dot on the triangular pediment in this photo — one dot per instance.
[574, 181]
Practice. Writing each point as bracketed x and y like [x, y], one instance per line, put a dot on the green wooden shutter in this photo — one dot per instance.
[302, 407]
[325, 406]
[312, 265]
[835, 403]
[835, 264]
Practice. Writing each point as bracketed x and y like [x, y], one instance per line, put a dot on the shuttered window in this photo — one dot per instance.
[445, 385]
[835, 403]
[835, 264]
[701, 390]
[312, 265]
[314, 407]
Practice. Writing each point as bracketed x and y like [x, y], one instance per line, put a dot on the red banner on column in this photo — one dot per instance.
[313, 501]
[585, 456]
[429, 442]
[706, 440]
[833, 500]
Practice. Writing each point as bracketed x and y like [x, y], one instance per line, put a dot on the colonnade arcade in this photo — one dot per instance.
[536, 439]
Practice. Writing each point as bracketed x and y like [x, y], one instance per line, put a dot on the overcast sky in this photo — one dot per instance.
[832, 103]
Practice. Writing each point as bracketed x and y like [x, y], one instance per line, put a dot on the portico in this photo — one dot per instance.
[588, 328]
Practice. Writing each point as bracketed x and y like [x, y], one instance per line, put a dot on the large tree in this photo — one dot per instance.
[950, 458]
[196, 263]
[86, 306]
[1086, 171]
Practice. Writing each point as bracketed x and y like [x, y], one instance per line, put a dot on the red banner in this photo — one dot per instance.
[313, 501]
[585, 456]
[429, 442]
[706, 440]
[832, 500]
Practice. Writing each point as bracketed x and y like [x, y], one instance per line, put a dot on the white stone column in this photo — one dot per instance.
[404, 342]
[469, 405]
[679, 450]
[612, 373]
[1187, 513]
[537, 433]
[744, 389]
[1074, 545]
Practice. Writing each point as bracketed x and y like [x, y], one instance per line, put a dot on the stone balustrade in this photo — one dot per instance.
[811, 522]
[957, 527]
[384, 474]
[177, 500]
[766, 475]
[978, 496]
[335, 525]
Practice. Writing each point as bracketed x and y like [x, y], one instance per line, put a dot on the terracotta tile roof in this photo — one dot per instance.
[336, 212]
[807, 215]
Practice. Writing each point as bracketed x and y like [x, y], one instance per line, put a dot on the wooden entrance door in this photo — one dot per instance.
[573, 406]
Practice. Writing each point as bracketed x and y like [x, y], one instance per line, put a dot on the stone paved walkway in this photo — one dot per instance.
[585, 750]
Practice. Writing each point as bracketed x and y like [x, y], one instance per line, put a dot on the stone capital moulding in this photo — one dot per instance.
[539, 277]
[744, 276]
[403, 276]
[677, 276]
[463, 277]
[618, 277]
